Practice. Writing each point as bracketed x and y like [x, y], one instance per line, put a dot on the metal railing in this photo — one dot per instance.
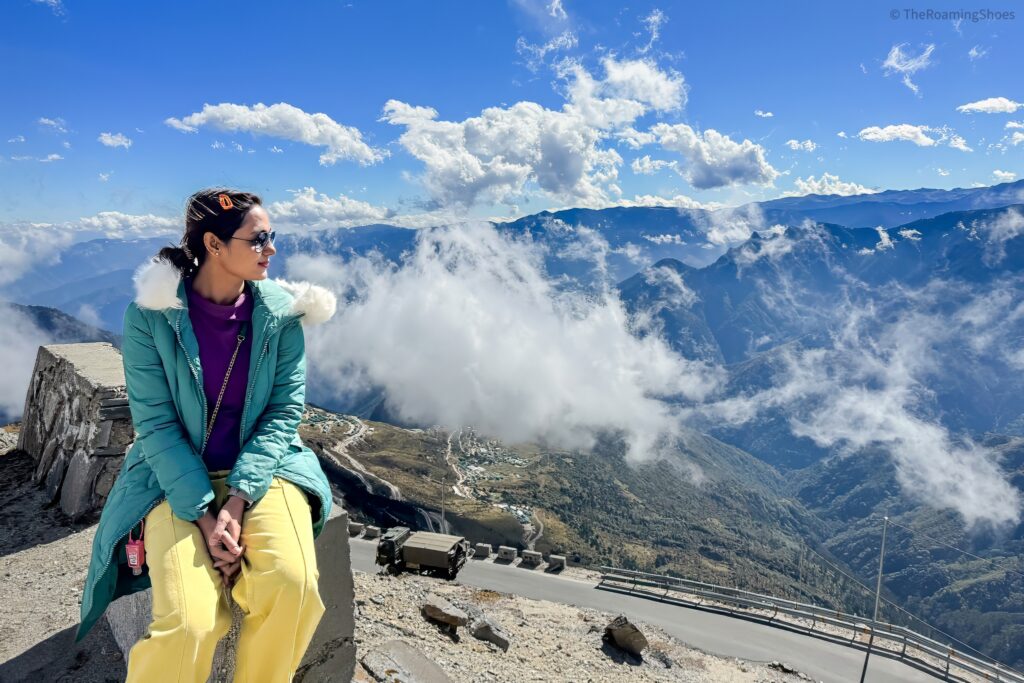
[897, 642]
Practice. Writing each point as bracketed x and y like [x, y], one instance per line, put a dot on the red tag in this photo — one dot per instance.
[136, 552]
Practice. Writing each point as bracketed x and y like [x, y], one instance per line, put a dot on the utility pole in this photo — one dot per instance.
[444, 528]
[878, 596]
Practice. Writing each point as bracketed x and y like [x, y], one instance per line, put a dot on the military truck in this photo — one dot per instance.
[401, 549]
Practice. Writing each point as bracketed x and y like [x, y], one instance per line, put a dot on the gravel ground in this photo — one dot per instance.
[43, 562]
[548, 641]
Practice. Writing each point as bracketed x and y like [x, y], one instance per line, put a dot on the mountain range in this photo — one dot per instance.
[870, 358]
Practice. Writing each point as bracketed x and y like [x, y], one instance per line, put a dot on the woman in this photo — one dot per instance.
[218, 483]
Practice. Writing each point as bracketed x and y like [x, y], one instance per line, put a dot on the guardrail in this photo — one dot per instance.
[897, 642]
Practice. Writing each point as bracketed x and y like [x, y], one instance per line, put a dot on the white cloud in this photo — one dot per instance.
[992, 105]
[905, 64]
[124, 225]
[922, 136]
[17, 138]
[866, 391]
[1014, 124]
[942, 171]
[730, 225]
[56, 6]
[996, 232]
[282, 120]
[903, 131]
[827, 184]
[645, 165]
[20, 340]
[104, 177]
[470, 331]
[535, 54]
[976, 52]
[713, 159]
[798, 146]
[51, 157]
[1003, 176]
[56, 124]
[556, 11]
[910, 234]
[763, 114]
[630, 88]
[653, 22]
[115, 140]
[501, 154]
[309, 209]
[841, 134]
[678, 201]
[23, 246]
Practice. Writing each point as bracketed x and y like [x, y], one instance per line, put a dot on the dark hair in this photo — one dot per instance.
[205, 212]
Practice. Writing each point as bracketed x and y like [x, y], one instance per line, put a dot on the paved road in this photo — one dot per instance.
[715, 633]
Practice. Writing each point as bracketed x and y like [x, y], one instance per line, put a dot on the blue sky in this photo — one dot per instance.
[375, 107]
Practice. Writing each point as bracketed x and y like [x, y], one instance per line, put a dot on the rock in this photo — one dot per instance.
[439, 609]
[396, 661]
[485, 628]
[625, 636]
[783, 667]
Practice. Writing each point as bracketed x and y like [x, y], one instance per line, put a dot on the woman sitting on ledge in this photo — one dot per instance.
[218, 484]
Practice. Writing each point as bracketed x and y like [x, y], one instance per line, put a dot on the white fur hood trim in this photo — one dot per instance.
[156, 287]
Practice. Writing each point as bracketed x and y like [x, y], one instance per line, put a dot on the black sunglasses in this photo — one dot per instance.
[261, 241]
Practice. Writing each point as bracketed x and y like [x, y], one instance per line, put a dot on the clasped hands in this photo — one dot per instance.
[222, 532]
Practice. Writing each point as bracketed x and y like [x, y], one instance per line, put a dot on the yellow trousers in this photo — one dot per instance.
[276, 591]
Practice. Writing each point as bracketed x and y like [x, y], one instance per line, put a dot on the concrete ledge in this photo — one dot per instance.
[331, 656]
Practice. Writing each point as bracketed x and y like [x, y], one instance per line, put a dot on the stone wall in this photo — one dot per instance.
[76, 424]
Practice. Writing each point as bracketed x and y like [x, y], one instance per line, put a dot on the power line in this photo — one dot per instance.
[935, 629]
[960, 550]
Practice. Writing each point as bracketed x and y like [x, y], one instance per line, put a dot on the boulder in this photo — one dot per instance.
[439, 609]
[396, 661]
[625, 636]
[485, 628]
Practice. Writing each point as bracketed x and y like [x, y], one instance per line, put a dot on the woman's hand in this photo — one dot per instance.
[222, 533]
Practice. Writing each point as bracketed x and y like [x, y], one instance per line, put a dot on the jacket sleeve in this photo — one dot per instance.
[179, 470]
[278, 423]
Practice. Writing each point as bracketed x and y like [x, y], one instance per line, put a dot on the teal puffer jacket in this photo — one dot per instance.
[169, 412]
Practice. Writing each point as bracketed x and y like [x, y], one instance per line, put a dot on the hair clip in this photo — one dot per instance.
[188, 252]
[225, 201]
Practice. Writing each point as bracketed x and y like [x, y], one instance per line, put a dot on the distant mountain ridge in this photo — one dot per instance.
[636, 238]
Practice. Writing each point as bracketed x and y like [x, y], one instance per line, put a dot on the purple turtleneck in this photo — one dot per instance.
[216, 328]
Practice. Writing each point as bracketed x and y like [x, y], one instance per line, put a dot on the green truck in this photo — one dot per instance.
[401, 549]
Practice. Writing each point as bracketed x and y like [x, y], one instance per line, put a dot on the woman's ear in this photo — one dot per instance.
[213, 244]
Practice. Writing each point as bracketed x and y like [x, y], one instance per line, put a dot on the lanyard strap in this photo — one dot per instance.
[209, 427]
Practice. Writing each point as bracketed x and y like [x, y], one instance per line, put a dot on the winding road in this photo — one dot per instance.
[708, 631]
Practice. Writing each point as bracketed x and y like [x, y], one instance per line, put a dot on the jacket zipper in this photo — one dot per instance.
[249, 389]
